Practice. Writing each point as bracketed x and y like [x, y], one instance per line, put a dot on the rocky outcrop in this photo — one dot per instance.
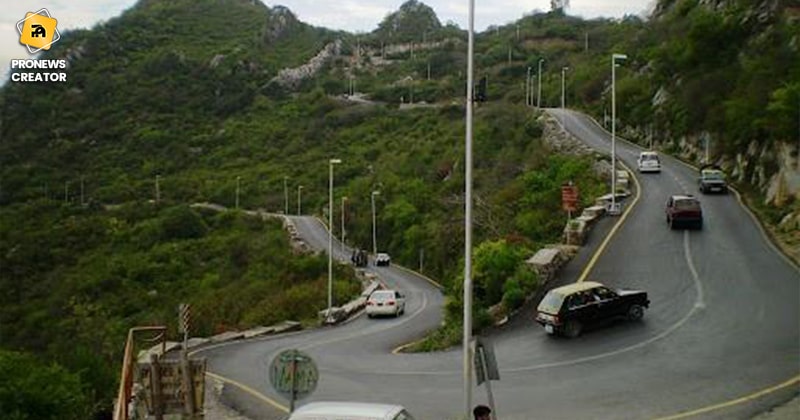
[292, 77]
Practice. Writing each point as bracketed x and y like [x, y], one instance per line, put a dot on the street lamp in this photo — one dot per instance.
[331, 162]
[299, 189]
[343, 231]
[539, 89]
[614, 57]
[374, 229]
[563, 80]
[238, 183]
[285, 196]
[528, 87]
[467, 333]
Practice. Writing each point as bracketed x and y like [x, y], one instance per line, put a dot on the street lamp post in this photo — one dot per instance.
[344, 233]
[563, 84]
[374, 228]
[299, 189]
[331, 162]
[614, 57]
[467, 336]
[528, 88]
[539, 88]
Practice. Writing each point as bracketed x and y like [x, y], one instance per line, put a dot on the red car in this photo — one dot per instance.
[684, 210]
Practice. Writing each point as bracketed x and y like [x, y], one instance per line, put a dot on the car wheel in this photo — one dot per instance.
[370, 316]
[700, 225]
[572, 329]
[635, 312]
[671, 223]
[403, 310]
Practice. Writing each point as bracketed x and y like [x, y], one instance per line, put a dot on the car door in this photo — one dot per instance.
[608, 302]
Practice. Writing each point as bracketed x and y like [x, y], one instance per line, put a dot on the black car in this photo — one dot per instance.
[359, 258]
[566, 310]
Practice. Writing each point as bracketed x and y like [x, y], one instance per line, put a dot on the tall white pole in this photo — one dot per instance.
[539, 89]
[330, 234]
[374, 225]
[468, 220]
[528, 88]
[299, 189]
[613, 133]
[563, 79]
[614, 58]
[343, 231]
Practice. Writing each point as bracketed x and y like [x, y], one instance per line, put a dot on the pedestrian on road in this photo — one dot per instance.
[482, 412]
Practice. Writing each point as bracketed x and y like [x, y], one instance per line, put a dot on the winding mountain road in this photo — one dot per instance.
[721, 338]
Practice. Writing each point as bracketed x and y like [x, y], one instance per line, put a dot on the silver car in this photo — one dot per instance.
[350, 411]
[386, 302]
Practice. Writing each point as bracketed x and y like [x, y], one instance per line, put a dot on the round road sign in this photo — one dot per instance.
[293, 374]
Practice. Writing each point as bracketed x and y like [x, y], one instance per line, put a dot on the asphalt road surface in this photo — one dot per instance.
[721, 338]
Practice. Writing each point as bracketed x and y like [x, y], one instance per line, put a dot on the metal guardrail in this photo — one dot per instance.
[128, 364]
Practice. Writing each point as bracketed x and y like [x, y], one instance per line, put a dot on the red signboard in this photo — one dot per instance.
[569, 198]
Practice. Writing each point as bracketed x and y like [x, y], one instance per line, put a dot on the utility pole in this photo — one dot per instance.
[539, 89]
[66, 191]
[467, 322]
[429, 70]
[586, 42]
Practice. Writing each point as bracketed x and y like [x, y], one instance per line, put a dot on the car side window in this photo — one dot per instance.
[603, 293]
[403, 415]
[573, 302]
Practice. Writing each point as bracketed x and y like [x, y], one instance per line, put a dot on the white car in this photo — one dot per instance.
[383, 259]
[648, 162]
[350, 411]
[386, 302]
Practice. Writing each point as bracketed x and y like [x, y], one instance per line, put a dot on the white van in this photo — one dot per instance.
[350, 411]
[648, 162]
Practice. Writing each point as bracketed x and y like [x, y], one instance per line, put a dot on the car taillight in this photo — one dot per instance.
[555, 320]
[370, 303]
[390, 303]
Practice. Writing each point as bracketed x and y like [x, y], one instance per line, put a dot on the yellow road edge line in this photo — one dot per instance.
[733, 402]
[590, 265]
[250, 391]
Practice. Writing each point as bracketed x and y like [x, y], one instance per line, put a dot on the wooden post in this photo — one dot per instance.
[188, 385]
[155, 386]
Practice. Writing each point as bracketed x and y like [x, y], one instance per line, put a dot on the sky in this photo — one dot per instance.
[349, 15]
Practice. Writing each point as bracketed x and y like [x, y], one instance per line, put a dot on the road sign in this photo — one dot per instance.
[294, 375]
[569, 197]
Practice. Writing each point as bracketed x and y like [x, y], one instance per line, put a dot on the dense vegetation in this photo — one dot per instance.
[86, 254]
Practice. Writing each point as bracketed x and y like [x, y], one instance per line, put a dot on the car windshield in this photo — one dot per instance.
[687, 204]
[646, 158]
[713, 176]
[383, 295]
[551, 303]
